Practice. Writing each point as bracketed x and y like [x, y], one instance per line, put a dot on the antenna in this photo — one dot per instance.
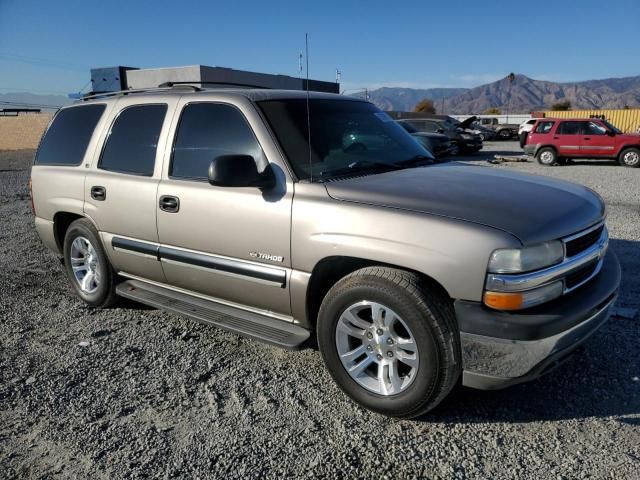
[306, 57]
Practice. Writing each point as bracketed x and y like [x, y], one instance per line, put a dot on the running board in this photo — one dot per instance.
[235, 320]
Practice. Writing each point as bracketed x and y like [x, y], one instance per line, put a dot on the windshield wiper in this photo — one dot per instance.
[415, 161]
[359, 166]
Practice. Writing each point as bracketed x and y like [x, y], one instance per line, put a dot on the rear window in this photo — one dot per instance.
[133, 139]
[66, 140]
[543, 127]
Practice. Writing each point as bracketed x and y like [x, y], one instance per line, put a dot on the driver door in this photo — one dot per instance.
[595, 141]
[230, 243]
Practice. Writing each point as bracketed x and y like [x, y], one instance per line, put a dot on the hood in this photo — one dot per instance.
[533, 208]
[632, 137]
[466, 123]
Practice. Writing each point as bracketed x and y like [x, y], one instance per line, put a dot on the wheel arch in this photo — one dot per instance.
[329, 270]
[61, 222]
[545, 145]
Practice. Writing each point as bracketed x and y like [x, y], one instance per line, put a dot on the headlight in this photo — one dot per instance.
[466, 136]
[526, 299]
[518, 260]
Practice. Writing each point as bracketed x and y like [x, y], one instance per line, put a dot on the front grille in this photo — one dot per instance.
[580, 275]
[575, 246]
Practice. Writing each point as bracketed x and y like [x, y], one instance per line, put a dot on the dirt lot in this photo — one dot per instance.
[132, 392]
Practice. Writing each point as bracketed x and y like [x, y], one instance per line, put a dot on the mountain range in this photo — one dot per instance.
[522, 95]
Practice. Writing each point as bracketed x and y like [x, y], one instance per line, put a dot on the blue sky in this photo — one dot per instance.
[49, 46]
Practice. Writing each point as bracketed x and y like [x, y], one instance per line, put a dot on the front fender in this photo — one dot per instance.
[453, 252]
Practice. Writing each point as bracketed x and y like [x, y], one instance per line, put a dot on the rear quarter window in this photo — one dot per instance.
[66, 140]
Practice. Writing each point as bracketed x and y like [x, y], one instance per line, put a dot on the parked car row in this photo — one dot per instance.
[553, 141]
[460, 138]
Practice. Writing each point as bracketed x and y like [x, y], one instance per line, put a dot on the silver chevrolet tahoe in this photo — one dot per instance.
[277, 214]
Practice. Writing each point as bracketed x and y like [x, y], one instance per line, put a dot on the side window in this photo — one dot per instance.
[595, 129]
[206, 131]
[430, 126]
[544, 127]
[570, 128]
[131, 144]
[66, 140]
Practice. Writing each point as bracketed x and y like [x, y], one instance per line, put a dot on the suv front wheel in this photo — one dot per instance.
[87, 265]
[389, 342]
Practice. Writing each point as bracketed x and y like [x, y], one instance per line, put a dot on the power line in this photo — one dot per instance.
[30, 90]
[24, 104]
[44, 62]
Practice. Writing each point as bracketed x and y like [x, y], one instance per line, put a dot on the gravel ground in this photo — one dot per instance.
[133, 392]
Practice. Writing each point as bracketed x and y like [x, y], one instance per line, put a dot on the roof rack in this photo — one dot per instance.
[160, 88]
[204, 82]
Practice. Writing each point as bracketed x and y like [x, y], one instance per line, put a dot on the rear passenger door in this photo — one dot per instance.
[568, 138]
[121, 187]
[230, 243]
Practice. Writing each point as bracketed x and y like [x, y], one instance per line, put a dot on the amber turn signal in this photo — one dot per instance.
[503, 301]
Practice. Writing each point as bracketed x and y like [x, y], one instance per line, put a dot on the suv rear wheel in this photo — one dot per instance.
[389, 342]
[630, 157]
[87, 265]
[547, 156]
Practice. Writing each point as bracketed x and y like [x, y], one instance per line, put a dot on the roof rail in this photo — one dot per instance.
[160, 88]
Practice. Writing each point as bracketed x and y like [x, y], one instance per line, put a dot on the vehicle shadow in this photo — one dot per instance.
[600, 381]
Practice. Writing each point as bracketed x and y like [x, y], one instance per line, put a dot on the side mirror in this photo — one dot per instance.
[239, 171]
[440, 130]
[611, 133]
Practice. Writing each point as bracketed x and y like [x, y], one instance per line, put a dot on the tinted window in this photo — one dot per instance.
[595, 129]
[544, 127]
[67, 138]
[207, 131]
[408, 127]
[133, 139]
[571, 128]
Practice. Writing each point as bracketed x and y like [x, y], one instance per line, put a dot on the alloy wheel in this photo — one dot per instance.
[376, 348]
[85, 265]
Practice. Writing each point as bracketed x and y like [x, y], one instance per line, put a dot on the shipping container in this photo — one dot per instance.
[627, 120]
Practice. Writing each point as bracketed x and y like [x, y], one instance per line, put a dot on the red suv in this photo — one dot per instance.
[552, 140]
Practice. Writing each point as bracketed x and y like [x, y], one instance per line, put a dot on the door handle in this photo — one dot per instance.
[169, 203]
[555, 138]
[98, 193]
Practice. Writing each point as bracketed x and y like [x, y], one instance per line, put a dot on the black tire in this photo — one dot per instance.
[105, 292]
[430, 317]
[629, 157]
[547, 156]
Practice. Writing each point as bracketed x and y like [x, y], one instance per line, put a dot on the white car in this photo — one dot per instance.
[526, 126]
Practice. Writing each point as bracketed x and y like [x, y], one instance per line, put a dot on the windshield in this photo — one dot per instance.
[611, 127]
[345, 136]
